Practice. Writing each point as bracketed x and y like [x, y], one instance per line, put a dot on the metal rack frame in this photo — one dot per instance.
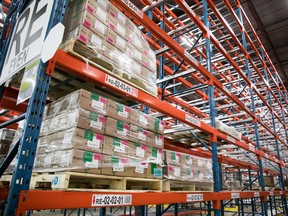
[214, 74]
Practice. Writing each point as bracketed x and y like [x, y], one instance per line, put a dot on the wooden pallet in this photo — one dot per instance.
[177, 185]
[73, 181]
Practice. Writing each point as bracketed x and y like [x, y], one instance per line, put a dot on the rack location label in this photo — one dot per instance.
[235, 195]
[121, 85]
[194, 197]
[111, 199]
[27, 39]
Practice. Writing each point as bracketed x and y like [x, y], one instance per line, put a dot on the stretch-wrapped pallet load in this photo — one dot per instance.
[86, 132]
[184, 167]
[6, 138]
[98, 31]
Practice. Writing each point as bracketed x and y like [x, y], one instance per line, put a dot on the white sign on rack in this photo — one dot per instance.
[27, 38]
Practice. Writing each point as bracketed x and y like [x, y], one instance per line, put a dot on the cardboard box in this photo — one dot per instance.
[114, 165]
[156, 140]
[91, 22]
[172, 172]
[172, 157]
[134, 52]
[93, 7]
[138, 134]
[117, 128]
[139, 119]
[89, 38]
[116, 40]
[116, 146]
[71, 138]
[133, 29]
[78, 117]
[73, 159]
[154, 171]
[140, 151]
[118, 111]
[117, 27]
[156, 125]
[78, 99]
[115, 14]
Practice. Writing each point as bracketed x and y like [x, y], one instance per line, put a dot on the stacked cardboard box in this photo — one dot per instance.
[6, 138]
[89, 133]
[186, 167]
[114, 39]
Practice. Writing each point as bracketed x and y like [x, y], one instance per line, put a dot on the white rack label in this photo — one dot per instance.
[256, 194]
[194, 197]
[251, 147]
[281, 192]
[271, 193]
[133, 8]
[235, 195]
[231, 139]
[111, 200]
[121, 85]
[193, 120]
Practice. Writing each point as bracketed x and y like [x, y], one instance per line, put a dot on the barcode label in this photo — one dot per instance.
[194, 197]
[121, 85]
[256, 194]
[111, 200]
[235, 195]
[193, 120]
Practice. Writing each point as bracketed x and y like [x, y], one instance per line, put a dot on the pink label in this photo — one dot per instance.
[145, 132]
[170, 168]
[161, 137]
[127, 109]
[103, 100]
[192, 171]
[110, 40]
[178, 155]
[126, 126]
[83, 38]
[90, 9]
[144, 147]
[112, 14]
[124, 160]
[145, 63]
[160, 151]
[124, 142]
[145, 52]
[112, 26]
[162, 123]
[102, 119]
[130, 27]
[97, 157]
[87, 24]
[143, 164]
[99, 137]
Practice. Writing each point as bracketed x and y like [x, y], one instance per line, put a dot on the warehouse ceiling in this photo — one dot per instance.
[270, 20]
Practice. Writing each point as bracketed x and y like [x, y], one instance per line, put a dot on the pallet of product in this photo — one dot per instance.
[90, 56]
[73, 181]
[177, 185]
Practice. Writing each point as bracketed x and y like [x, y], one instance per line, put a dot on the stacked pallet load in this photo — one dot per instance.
[6, 138]
[85, 132]
[99, 33]
[182, 170]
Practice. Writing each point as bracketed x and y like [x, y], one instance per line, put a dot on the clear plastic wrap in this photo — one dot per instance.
[186, 167]
[71, 138]
[85, 161]
[111, 41]
[76, 118]
[80, 98]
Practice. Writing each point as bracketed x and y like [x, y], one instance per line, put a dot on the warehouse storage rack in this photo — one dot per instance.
[212, 66]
